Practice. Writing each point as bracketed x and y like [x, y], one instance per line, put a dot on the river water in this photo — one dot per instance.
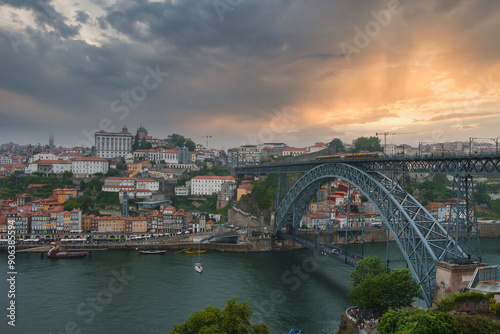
[125, 292]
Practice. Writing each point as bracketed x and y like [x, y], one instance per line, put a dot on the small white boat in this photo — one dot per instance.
[198, 267]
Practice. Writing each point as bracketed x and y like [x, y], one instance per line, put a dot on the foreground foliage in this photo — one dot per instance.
[440, 320]
[376, 288]
[234, 318]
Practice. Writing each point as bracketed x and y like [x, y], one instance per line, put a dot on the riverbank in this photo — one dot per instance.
[251, 245]
[379, 234]
[245, 244]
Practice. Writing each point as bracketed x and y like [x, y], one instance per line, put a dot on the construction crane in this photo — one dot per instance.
[206, 137]
[389, 133]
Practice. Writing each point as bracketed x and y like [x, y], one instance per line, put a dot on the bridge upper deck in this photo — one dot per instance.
[476, 165]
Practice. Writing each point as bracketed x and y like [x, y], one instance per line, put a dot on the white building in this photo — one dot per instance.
[49, 166]
[158, 155]
[44, 156]
[317, 147]
[4, 160]
[248, 155]
[167, 155]
[148, 184]
[207, 185]
[119, 181]
[117, 184]
[294, 151]
[181, 191]
[143, 187]
[89, 165]
[70, 155]
[113, 144]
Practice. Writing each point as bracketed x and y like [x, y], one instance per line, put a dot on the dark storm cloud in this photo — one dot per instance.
[242, 63]
[103, 24]
[81, 16]
[46, 15]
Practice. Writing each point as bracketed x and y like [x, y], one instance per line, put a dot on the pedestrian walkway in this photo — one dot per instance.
[365, 321]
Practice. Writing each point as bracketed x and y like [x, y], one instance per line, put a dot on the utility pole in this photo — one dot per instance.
[385, 138]
[471, 140]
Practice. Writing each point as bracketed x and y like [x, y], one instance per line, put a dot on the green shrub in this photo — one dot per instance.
[494, 307]
[447, 304]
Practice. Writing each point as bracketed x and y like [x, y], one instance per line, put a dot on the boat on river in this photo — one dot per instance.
[197, 266]
[151, 251]
[195, 252]
[54, 253]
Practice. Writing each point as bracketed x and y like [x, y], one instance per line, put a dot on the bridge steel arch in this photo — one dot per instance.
[421, 239]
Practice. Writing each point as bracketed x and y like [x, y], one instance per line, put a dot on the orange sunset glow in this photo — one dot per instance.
[429, 70]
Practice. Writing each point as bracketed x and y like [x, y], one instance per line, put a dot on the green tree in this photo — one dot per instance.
[376, 288]
[191, 146]
[368, 266]
[480, 194]
[67, 174]
[494, 206]
[371, 144]
[337, 143]
[398, 321]
[113, 172]
[145, 145]
[178, 140]
[264, 192]
[37, 173]
[403, 289]
[83, 203]
[233, 319]
[136, 144]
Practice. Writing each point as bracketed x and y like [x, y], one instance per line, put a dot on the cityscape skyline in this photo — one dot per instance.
[250, 72]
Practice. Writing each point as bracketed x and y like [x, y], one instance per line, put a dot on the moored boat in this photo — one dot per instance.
[195, 252]
[198, 267]
[56, 254]
[151, 251]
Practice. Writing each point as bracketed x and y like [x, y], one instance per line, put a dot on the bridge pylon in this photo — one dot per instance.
[462, 222]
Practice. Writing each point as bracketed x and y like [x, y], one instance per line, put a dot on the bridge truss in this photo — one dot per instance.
[422, 240]
[451, 165]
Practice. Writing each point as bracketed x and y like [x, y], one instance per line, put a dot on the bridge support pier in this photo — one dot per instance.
[451, 278]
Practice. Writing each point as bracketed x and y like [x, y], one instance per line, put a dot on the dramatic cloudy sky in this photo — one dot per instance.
[250, 71]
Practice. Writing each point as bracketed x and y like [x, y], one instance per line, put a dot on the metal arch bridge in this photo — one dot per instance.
[423, 241]
[478, 165]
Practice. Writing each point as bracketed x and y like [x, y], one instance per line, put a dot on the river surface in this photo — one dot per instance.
[125, 292]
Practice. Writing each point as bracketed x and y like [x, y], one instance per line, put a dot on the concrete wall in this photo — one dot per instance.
[373, 234]
[240, 218]
[450, 278]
